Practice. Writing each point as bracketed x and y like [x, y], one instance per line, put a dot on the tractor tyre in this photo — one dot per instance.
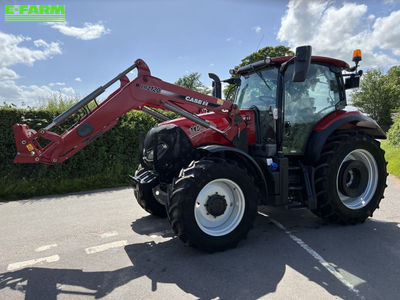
[212, 204]
[146, 199]
[350, 177]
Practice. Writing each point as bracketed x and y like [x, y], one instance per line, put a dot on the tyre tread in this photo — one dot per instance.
[326, 209]
[178, 196]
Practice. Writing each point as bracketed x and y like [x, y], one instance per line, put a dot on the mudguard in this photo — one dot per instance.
[339, 120]
[239, 155]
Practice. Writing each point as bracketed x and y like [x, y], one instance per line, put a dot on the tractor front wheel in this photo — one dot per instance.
[350, 177]
[212, 204]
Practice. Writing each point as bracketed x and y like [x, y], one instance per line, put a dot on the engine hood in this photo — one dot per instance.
[200, 135]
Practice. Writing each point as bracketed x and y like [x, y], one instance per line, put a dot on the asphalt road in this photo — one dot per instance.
[102, 245]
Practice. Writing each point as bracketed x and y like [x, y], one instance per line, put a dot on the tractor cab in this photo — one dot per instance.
[286, 110]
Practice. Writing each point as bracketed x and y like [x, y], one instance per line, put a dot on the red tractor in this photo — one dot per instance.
[284, 141]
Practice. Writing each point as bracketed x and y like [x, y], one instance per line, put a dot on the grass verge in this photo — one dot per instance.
[392, 155]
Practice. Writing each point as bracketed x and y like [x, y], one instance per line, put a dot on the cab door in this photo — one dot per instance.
[306, 103]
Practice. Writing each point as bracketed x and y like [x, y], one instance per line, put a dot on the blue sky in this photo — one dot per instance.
[101, 38]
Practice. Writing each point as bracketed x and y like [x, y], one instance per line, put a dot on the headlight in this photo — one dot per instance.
[162, 149]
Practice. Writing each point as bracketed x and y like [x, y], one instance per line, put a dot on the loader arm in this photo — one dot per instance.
[143, 92]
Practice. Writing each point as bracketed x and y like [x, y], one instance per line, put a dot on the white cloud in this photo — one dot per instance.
[12, 53]
[68, 90]
[229, 39]
[387, 32]
[257, 29]
[6, 73]
[337, 31]
[88, 32]
[78, 79]
[299, 21]
[30, 95]
[57, 84]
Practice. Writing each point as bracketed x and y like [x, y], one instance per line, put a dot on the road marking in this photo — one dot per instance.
[23, 264]
[108, 234]
[105, 247]
[331, 269]
[45, 247]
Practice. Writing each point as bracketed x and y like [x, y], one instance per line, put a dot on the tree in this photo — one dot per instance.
[394, 74]
[192, 81]
[379, 95]
[261, 54]
[268, 51]
[58, 102]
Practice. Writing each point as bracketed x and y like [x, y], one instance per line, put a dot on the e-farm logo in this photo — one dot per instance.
[34, 13]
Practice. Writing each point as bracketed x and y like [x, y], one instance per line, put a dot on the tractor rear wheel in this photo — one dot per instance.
[212, 204]
[350, 177]
[147, 200]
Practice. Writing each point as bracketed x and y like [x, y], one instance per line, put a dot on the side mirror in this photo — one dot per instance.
[302, 63]
[352, 82]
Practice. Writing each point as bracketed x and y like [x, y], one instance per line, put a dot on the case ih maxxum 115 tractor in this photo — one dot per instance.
[284, 141]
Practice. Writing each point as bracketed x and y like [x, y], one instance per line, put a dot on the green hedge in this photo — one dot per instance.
[392, 155]
[394, 132]
[104, 163]
[392, 147]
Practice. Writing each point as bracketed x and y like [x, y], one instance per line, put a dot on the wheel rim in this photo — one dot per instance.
[211, 214]
[357, 179]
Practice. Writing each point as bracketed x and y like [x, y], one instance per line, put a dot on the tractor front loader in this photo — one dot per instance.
[286, 140]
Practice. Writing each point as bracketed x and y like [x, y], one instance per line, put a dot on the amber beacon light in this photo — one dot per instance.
[357, 56]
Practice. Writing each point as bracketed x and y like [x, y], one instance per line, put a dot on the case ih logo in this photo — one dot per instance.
[34, 13]
[197, 101]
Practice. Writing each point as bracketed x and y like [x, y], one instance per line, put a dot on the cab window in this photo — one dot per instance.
[306, 103]
[258, 89]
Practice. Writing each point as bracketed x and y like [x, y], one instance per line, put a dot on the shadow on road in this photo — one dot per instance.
[46, 283]
[252, 270]
[151, 226]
